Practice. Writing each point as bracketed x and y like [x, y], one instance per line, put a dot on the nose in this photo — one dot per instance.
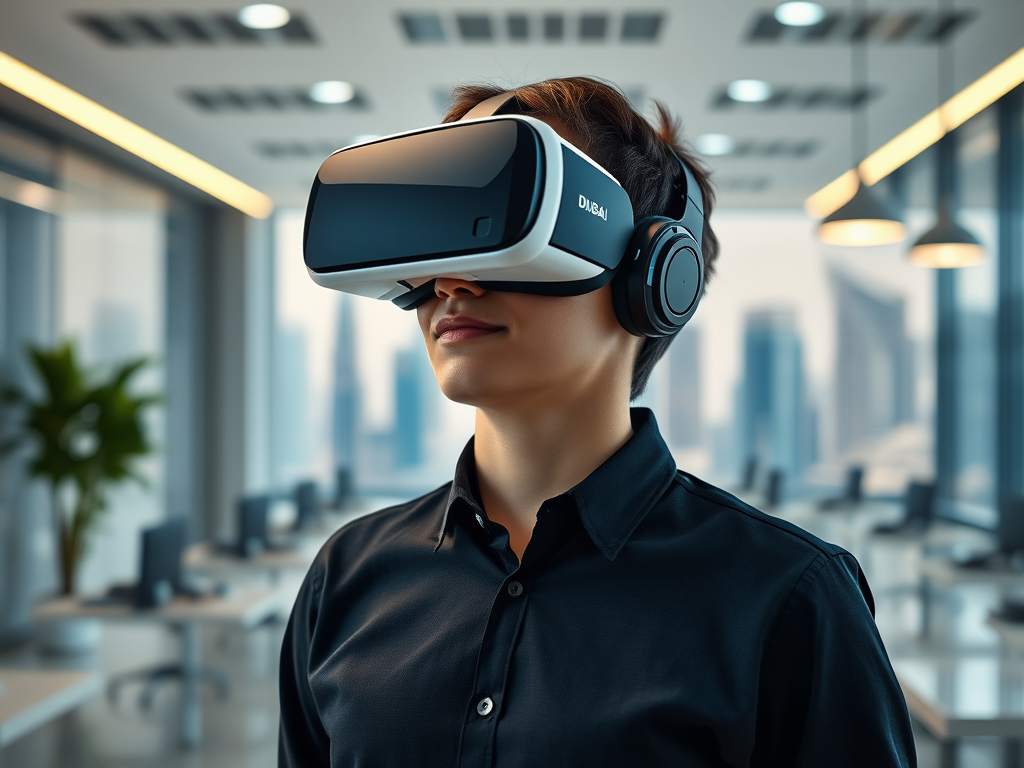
[454, 288]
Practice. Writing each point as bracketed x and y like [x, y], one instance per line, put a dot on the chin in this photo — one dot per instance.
[482, 386]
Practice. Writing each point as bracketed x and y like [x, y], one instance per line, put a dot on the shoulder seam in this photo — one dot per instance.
[801, 585]
[766, 520]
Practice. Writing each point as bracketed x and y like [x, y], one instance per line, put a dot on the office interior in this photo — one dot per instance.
[155, 160]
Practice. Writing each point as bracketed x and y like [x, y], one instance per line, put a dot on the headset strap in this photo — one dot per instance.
[489, 107]
[693, 213]
[693, 201]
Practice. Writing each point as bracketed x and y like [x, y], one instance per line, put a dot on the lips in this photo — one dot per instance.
[454, 328]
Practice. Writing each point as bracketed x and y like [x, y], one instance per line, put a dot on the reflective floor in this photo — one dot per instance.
[960, 657]
[240, 732]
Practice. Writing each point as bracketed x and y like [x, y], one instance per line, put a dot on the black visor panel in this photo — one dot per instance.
[454, 190]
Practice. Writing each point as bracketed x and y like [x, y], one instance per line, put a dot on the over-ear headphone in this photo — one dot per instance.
[660, 280]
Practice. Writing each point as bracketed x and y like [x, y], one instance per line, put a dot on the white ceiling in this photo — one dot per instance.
[700, 48]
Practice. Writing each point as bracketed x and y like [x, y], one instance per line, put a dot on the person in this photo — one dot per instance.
[571, 598]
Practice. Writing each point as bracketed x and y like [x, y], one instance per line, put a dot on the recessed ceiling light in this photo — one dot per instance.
[263, 16]
[749, 90]
[332, 92]
[713, 144]
[799, 14]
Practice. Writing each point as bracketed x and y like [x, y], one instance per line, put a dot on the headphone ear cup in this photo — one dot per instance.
[658, 286]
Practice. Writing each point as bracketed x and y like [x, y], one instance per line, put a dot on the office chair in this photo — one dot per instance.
[853, 492]
[918, 510]
[776, 485]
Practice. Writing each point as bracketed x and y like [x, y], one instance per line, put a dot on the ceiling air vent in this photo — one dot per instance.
[422, 27]
[298, 150]
[641, 27]
[549, 27]
[138, 30]
[814, 97]
[920, 26]
[267, 99]
[742, 183]
[769, 149]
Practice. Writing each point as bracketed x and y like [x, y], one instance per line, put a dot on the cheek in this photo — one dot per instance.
[574, 334]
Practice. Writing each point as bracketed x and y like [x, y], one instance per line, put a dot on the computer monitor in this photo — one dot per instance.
[253, 514]
[160, 569]
[343, 486]
[307, 505]
[1011, 524]
[854, 490]
[776, 486]
[920, 502]
[749, 473]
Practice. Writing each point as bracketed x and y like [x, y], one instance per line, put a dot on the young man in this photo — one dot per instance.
[571, 599]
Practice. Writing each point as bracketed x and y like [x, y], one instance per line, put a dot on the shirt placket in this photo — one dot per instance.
[503, 627]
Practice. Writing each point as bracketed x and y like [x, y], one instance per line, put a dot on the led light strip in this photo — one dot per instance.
[124, 133]
[983, 92]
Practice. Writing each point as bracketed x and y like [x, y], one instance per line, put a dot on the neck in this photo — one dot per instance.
[526, 457]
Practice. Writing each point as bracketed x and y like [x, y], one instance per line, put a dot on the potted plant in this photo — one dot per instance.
[86, 434]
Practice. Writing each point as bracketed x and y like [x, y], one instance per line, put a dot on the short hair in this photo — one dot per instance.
[605, 125]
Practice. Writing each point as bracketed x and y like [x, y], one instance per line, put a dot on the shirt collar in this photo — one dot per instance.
[611, 500]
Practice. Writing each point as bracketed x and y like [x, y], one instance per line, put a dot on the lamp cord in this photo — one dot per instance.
[945, 68]
[859, 85]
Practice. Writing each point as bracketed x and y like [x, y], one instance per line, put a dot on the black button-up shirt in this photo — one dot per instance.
[654, 621]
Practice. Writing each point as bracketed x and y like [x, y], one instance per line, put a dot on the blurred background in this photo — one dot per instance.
[154, 164]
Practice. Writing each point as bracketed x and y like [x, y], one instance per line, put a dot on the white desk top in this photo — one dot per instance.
[946, 573]
[966, 696]
[32, 697]
[205, 558]
[244, 608]
[1011, 633]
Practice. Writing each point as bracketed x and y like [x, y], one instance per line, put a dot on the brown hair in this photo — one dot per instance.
[602, 123]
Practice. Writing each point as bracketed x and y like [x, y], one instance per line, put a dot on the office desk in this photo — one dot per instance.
[30, 698]
[946, 573]
[1011, 633]
[966, 696]
[244, 610]
[943, 572]
[206, 559]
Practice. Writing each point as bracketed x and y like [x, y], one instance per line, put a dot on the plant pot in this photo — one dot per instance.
[69, 637]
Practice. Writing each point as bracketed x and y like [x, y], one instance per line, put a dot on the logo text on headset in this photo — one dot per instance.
[593, 207]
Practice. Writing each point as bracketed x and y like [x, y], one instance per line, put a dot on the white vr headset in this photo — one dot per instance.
[502, 200]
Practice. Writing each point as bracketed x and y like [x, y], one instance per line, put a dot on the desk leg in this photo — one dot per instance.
[926, 607]
[191, 713]
[1011, 753]
[947, 754]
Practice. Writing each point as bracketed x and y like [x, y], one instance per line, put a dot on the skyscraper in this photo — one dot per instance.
[874, 362]
[346, 398]
[411, 367]
[291, 413]
[684, 400]
[771, 398]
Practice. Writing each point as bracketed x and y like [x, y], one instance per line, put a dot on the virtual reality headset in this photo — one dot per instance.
[504, 201]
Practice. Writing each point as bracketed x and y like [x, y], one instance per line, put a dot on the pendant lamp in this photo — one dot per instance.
[865, 219]
[946, 245]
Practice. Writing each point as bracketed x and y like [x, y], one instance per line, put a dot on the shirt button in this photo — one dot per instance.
[515, 588]
[480, 520]
[485, 707]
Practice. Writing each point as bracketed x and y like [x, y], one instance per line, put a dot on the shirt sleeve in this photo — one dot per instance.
[827, 694]
[302, 741]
